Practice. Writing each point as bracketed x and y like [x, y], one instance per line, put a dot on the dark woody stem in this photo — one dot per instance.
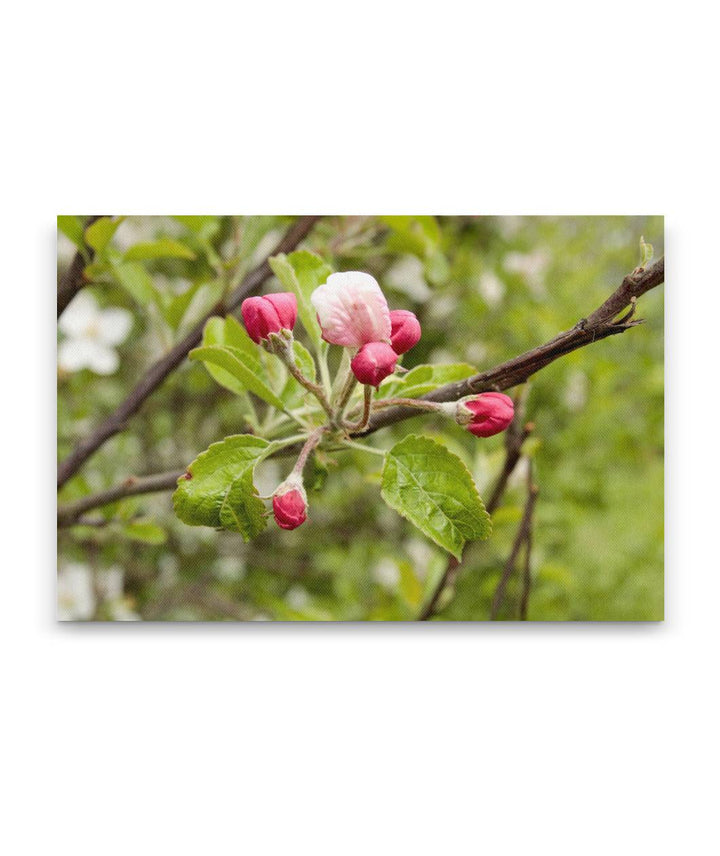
[365, 418]
[310, 444]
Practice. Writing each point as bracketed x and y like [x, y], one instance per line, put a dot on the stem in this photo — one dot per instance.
[286, 355]
[344, 397]
[365, 418]
[310, 444]
[324, 370]
[353, 444]
[418, 403]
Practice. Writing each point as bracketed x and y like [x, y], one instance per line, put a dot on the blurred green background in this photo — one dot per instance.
[484, 289]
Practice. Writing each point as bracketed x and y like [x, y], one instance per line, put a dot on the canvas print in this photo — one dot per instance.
[360, 418]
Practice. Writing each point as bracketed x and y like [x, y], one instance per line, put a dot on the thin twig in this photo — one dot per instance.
[520, 539]
[157, 373]
[69, 513]
[527, 577]
[73, 279]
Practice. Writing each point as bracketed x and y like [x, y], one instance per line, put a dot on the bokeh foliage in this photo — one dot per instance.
[485, 289]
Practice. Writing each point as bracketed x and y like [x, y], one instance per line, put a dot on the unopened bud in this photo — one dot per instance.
[405, 332]
[373, 363]
[272, 313]
[290, 503]
[486, 414]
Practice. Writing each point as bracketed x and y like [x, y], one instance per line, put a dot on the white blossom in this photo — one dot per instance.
[91, 335]
[75, 593]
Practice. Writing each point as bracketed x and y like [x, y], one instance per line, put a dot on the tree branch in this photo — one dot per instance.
[72, 280]
[503, 376]
[523, 537]
[157, 373]
[598, 325]
[70, 513]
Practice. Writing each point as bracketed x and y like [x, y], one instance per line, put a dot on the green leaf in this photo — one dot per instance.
[302, 272]
[145, 531]
[646, 253]
[227, 331]
[175, 306]
[204, 299]
[409, 234]
[204, 226]
[425, 378]
[133, 277]
[410, 586]
[220, 491]
[163, 248]
[246, 370]
[431, 487]
[99, 234]
[71, 227]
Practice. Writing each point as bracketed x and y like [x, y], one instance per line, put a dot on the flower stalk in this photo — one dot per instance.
[365, 418]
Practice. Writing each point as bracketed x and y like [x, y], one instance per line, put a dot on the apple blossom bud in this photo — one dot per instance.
[352, 310]
[269, 314]
[486, 414]
[373, 363]
[290, 503]
[405, 330]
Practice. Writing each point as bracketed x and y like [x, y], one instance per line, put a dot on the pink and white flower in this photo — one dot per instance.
[352, 310]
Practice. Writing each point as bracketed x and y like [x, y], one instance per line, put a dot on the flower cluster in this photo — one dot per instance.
[352, 312]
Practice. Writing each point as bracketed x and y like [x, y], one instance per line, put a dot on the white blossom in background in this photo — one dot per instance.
[386, 573]
[297, 598]
[407, 275]
[91, 336]
[530, 265]
[492, 289]
[519, 475]
[75, 593]
[575, 394]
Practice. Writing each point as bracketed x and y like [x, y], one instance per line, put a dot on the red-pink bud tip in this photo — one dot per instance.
[486, 414]
[269, 314]
[290, 508]
[405, 332]
[373, 363]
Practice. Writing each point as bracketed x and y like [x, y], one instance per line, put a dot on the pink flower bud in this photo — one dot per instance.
[486, 414]
[269, 314]
[405, 330]
[290, 503]
[373, 363]
[352, 310]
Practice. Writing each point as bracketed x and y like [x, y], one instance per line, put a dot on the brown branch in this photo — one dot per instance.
[598, 325]
[503, 376]
[521, 538]
[515, 436]
[157, 373]
[527, 577]
[71, 512]
[72, 280]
